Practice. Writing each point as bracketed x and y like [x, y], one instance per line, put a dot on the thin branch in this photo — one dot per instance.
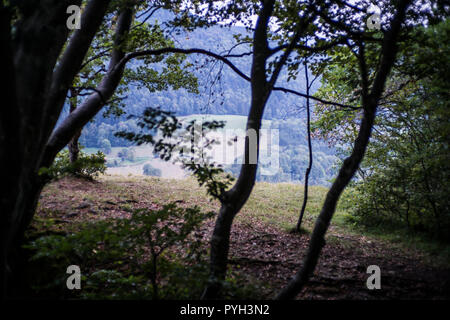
[238, 55]
[72, 58]
[308, 48]
[361, 55]
[137, 54]
[153, 10]
[228, 54]
[340, 105]
[91, 89]
[99, 55]
[301, 28]
[350, 164]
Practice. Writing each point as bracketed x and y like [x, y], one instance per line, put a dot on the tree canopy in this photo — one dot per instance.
[383, 77]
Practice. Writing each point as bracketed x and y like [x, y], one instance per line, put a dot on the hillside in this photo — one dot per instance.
[264, 254]
[222, 93]
[216, 158]
[286, 161]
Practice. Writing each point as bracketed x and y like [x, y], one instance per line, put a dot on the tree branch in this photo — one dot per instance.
[77, 119]
[130, 56]
[308, 48]
[351, 164]
[71, 61]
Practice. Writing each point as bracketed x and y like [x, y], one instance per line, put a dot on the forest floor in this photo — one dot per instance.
[262, 247]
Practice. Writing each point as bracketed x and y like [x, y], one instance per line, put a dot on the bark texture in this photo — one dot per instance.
[234, 199]
[351, 164]
[36, 87]
[73, 146]
[310, 163]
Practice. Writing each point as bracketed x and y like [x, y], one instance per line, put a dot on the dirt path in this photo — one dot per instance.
[341, 272]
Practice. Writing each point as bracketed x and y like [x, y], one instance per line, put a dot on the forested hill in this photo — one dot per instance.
[223, 92]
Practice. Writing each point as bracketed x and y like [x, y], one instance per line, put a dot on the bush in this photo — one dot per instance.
[87, 166]
[105, 145]
[403, 194]
[154, 254]
[126, 154]
[151, 171]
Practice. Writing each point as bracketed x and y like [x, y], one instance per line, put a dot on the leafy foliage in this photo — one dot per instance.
[148, 170]
[148, 73]
[184, 143]
[129, 258]
[86, 166]
[404, 179]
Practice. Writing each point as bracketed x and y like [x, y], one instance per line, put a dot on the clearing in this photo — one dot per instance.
[261, 244]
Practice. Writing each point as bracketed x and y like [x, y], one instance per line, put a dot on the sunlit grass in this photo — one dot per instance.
[276, 205]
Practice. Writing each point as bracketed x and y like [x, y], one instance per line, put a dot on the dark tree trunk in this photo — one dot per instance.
[34, 94]
[234, 199]
[31, 58]
[76, 120]
[351, 164]
[73, 146]
[308, 170]
[9, 122]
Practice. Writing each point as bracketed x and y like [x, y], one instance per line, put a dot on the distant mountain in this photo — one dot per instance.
[228, 94]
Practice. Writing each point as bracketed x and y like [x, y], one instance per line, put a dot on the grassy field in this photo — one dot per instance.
[231, 121]
[222, 153]
[261, 241]
[276, 205]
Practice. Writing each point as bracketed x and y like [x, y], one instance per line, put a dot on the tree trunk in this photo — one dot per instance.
[308, 170]
[234, 199]
[317, 240]
[351, 164]
[220, 244]
[34, 93]
[70, 127]
[17, 258]
[74, 149]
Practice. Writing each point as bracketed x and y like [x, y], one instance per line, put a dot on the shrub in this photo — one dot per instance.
[154, 254]
[151, 171]
[87, 166]
[105, 145]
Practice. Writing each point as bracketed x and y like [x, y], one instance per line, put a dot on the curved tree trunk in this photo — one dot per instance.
[351, 164]
[34, 95]
[234, 199]
[73, 146]
[317, 241]
[308, 170]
